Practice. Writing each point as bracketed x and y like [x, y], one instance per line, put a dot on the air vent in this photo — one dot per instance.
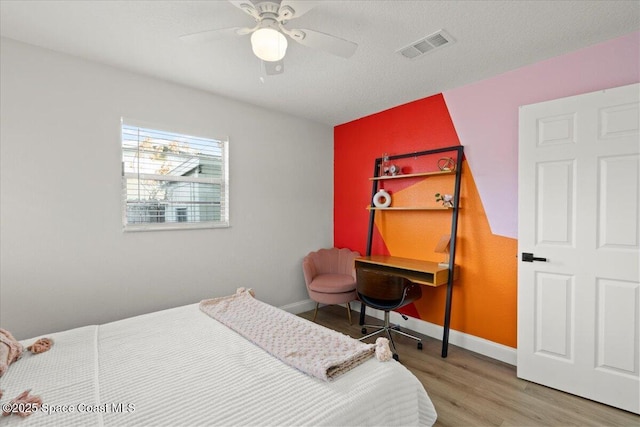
[426, 44]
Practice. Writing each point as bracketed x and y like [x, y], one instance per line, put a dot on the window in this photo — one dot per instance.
[181, 214]
[173, 181]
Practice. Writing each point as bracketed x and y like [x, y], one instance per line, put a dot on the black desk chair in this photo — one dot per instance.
[385, 291]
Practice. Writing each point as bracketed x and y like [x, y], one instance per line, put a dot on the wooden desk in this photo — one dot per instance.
[427, 273]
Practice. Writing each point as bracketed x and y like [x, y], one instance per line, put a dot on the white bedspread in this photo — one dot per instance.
[180, 367]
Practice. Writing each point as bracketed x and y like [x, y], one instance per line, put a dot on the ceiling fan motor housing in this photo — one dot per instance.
[267, 7]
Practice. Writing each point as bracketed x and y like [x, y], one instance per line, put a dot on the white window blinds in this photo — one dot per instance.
[173, 181]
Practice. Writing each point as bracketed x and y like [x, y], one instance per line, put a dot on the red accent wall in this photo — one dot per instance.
[416, 126]
[484, 296]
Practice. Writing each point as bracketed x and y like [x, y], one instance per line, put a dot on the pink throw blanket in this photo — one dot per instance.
[304, 345]
[10, 350]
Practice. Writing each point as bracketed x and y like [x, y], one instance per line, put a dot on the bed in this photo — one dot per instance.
[182, 367]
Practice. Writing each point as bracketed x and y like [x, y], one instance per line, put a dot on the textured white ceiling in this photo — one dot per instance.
[491, 37]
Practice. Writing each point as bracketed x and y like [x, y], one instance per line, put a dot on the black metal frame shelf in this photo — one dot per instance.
[459, 150]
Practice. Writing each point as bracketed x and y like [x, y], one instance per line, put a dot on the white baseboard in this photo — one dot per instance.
[469, 342]
[300, 306]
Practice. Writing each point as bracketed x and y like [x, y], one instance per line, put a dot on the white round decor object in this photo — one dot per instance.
[382, 199]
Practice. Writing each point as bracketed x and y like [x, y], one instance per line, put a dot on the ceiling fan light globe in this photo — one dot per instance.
[269, 44]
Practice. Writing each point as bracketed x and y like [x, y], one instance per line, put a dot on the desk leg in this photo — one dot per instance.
[363, 311]
[447, 321]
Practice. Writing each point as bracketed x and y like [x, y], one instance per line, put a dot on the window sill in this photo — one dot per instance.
[174, 226]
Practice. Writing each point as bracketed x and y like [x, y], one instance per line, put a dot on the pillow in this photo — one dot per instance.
[10, 350]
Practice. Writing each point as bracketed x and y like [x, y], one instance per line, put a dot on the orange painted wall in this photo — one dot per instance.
[484, 299]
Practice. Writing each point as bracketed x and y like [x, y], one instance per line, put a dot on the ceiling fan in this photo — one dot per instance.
[268, 39]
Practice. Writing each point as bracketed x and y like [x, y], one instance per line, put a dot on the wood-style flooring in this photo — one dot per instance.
[468, 389]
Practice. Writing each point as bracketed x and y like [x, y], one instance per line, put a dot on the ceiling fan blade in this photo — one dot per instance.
[210, 35]
[325, 42]
[246, 6]
[273, 68]
[290, 9]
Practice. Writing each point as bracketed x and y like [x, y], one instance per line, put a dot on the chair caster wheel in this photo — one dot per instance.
[420, 345]
[363, 330]
[395, 356]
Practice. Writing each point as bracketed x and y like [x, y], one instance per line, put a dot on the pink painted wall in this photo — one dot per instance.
[485, 114]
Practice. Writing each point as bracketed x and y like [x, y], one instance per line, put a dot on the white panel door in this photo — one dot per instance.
[578, 238]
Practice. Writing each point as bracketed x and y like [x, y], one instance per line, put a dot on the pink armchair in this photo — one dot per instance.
[330, 277]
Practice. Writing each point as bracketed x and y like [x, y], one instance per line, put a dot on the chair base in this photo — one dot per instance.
[315, 312]
[387, 328]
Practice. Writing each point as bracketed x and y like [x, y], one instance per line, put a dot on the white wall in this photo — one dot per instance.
[64, 260]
